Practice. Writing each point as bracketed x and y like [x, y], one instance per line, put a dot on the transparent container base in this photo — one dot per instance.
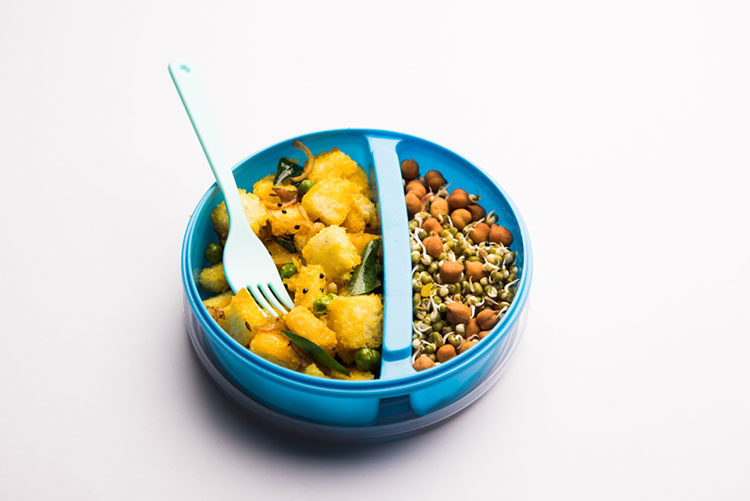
[396, 420]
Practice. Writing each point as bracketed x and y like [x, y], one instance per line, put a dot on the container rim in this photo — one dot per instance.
[364, 388]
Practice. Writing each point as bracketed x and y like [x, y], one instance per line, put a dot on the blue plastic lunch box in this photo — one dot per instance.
[400, 394]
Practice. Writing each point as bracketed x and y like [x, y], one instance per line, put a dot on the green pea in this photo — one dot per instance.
[288, 270]
[454, 340]
[320, 305]
[305, 186]
[437, 339]
[367, 359]
[213, 253]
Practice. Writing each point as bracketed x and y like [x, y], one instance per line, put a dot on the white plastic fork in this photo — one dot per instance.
[247, 263]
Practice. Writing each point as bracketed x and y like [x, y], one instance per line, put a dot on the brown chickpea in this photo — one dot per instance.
[409, 169]
[439, 206]
[423, 363]
[471, 327]
[466, 345]
[450, 271]
[458, 199]
[413, 204]
[487, 319]
[501, 235]
[457, 313]
[460, 218]
[433, 245]
[477, 212]
[445, 353]
[483, 334]
[480, 233]
[431, 224]
[434, 179]
[417, 187]
[474, 270]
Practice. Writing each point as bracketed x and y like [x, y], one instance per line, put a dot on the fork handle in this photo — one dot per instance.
[194, 100]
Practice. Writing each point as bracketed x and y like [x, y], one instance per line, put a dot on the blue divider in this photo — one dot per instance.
[396, 259]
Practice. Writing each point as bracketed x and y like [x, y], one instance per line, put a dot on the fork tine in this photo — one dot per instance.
[258, 295]
[282, 296]
[268, 293]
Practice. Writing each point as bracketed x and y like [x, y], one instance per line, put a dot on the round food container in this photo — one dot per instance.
[401, 400]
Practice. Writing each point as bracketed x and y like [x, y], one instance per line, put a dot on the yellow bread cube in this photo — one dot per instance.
[329, 200]
[302, 322]
[255, 213]
[362, 215]
[354, 375]
[215, 305]
[263, 189]
[287, 221]
[305, 234]
[332, 249]
[313, 370]
[336, 163]
[279, 254]
[360, 240]
[275, 347]
[308, 284]
[357, 321]
[241, 315]
[346, 355]
[212, 278]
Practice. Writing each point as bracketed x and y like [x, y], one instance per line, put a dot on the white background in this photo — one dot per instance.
[621, 130]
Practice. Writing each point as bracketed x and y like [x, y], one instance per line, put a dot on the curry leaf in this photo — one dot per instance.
[365, 276]
[316, 352]
[286, 243]
[286, 169]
